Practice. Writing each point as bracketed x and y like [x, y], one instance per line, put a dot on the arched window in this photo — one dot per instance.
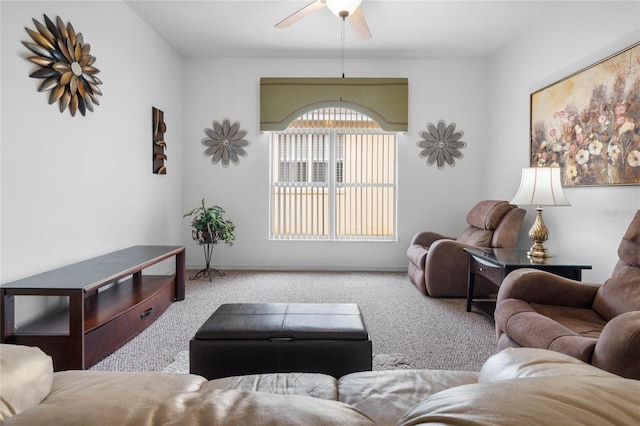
[333, 177]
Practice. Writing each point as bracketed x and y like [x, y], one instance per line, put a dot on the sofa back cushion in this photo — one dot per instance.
[483, 219]
[26, 374]
[562, 400]
[475, 237]
[487, 214]
[519, 386]
[621, 292]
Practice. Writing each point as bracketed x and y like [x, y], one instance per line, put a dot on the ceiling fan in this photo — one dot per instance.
[346, 9]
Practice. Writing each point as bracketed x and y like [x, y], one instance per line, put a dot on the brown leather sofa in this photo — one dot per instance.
[599, 325]
[438, 265]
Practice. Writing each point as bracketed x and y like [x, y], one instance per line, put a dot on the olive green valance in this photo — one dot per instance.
[385, 100]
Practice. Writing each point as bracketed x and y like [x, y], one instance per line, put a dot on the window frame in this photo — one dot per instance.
[334, 184]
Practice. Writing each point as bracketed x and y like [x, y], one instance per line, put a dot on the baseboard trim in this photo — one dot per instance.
[301, 268]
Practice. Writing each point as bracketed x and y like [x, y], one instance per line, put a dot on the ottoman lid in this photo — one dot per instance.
[282, 321]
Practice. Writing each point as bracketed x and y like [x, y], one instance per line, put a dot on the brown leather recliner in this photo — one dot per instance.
[599, 325]
[438, 265]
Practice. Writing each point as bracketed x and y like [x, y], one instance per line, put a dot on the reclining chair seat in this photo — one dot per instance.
[573, 331]
[438, 265]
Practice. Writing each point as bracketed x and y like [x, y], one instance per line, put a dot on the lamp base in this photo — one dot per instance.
[539, 251]
[538, 234]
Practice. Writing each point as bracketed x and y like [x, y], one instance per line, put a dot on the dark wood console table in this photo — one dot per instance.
[495, 264]
[109, 302]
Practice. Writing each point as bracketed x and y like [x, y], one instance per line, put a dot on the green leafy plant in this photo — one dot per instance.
[209, 225]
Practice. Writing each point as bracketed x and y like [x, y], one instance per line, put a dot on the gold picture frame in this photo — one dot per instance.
[588, 124]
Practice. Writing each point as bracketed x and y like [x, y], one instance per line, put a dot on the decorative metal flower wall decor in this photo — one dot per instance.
[441, 144]
[225, 142]
[65, 65]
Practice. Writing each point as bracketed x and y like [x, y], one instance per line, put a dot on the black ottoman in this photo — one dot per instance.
[252, 338]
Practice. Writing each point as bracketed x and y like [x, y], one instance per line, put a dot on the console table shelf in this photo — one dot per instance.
[109, 302]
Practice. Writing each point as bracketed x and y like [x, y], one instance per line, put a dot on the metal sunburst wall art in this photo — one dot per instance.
[225, 142]
[65, 65]
[441, 144]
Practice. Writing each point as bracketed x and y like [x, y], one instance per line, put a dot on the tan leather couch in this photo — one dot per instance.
[515, 387]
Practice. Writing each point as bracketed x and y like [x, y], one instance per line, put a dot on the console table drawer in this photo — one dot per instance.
[493, 273]
[100, 342]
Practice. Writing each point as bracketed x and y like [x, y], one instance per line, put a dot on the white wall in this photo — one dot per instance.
[561, 44]
[77, 187]
[428, 198]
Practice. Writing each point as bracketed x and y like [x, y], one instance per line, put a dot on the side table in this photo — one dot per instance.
[495, 264]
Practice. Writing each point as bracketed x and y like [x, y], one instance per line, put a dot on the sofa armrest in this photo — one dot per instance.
[517, 363]
[619, 345]
[427, 238]
[536, 286]
[446, 269]
[26, 376]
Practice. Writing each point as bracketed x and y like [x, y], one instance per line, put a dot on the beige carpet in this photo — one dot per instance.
[426, 332]
[380, 362]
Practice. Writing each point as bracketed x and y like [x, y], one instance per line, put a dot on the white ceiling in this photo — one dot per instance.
[400, 28]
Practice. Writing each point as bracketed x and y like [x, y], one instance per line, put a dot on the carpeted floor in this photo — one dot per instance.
[426, 332]
[380, 362]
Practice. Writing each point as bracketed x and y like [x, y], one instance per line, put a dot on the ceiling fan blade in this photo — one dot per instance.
[296, 16]
[359, 24]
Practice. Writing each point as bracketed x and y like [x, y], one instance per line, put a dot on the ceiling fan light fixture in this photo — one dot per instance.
[339, 7]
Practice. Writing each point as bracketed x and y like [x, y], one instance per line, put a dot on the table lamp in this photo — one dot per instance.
[540, 186]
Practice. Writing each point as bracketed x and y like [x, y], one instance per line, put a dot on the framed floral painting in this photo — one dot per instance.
[588, 124]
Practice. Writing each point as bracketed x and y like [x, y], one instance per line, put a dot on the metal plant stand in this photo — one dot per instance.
[208, 271]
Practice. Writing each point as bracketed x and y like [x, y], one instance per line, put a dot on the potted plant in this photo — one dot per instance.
[209, 225]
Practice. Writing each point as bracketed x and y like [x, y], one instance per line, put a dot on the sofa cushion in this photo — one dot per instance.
[487, 214]
[563, 400]
[213, 407]
[184, 399]
[629, 249]
[619, 294]
[619, 345]
[231, 407]
[317, 385]
[573, 331]
[385, 396]
[26, 374]
[483, 219]
[105, 395]
[513, 363]
[475, 237]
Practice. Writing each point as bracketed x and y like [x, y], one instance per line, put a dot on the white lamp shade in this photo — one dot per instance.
[540, 186]
[337, 6]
